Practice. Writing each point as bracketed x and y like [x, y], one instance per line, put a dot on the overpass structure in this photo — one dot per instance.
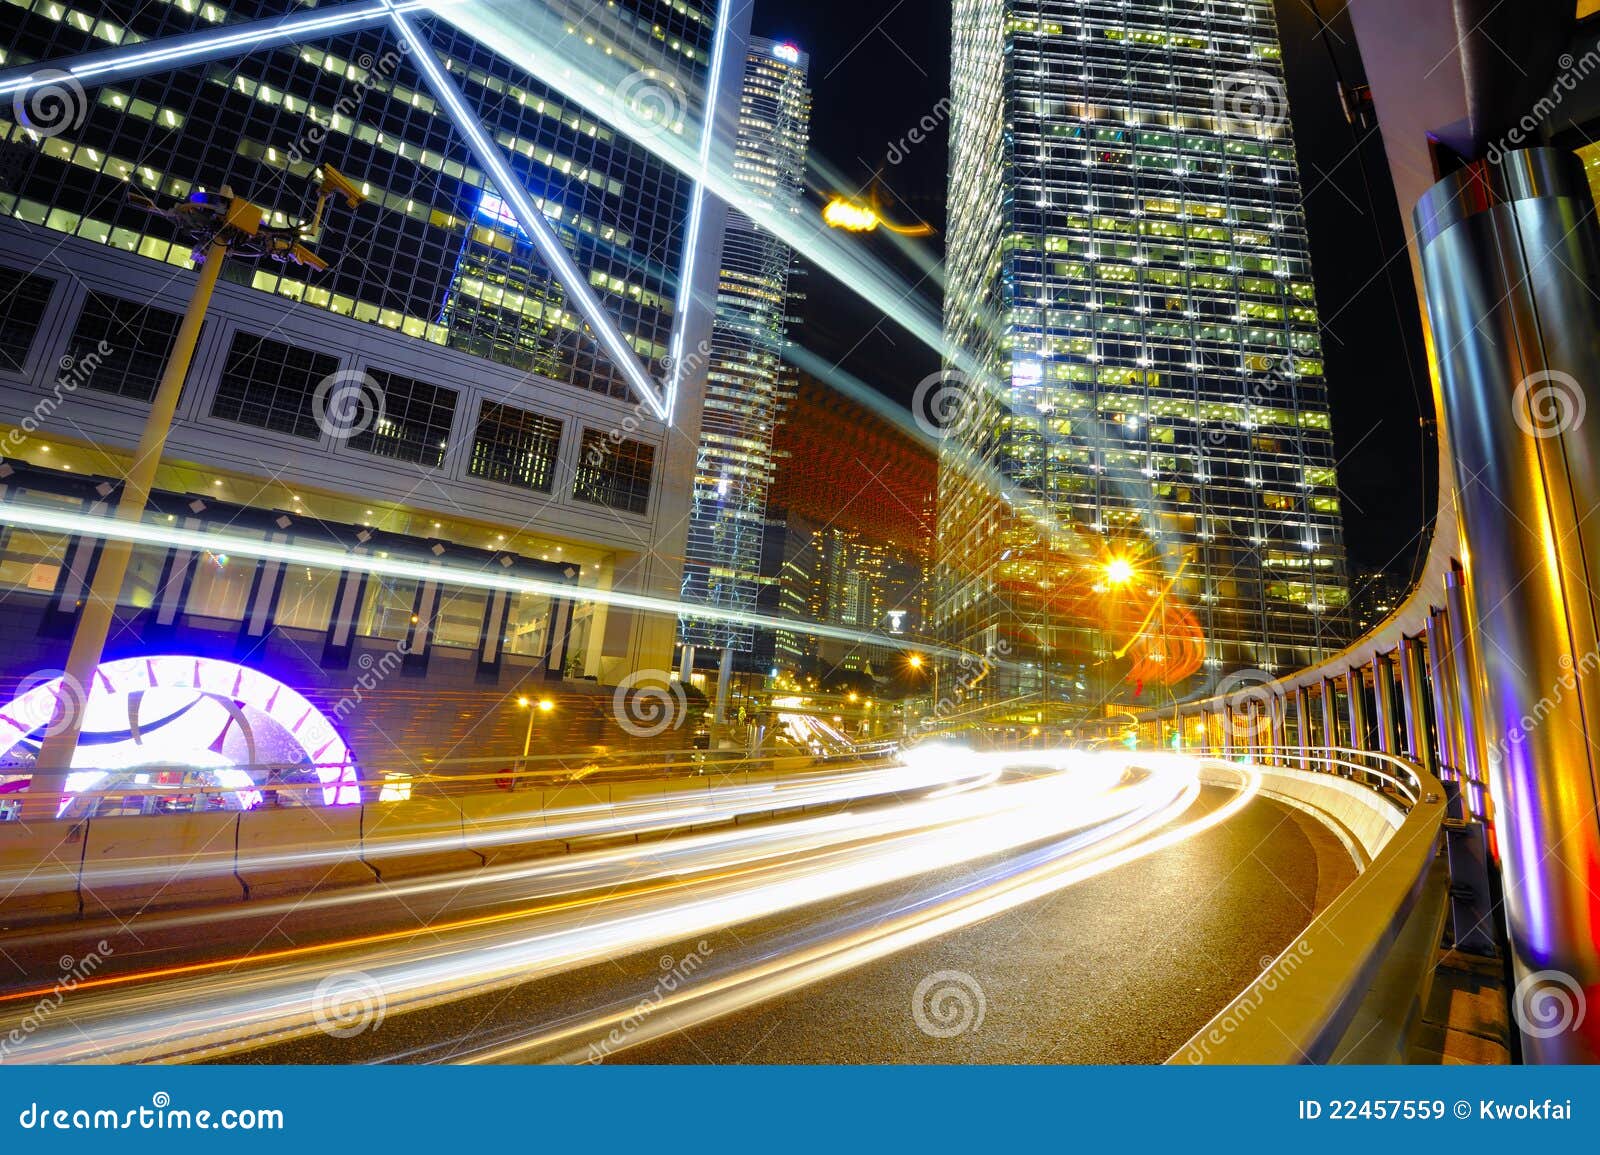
[1467, 714]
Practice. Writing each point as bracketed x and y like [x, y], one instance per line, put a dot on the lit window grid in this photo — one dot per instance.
[745, 379]
[1122, 477]
[139, 336]
[638, 211]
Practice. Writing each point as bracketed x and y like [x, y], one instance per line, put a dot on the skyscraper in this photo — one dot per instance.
[746, 378]
[496, 418]
[1139, 495]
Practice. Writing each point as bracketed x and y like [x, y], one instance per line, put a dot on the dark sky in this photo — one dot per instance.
[880, 66]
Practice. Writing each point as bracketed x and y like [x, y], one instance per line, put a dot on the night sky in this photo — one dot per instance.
[880, 66]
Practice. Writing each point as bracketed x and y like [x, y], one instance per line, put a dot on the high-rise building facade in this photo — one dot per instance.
[746, 376]
[502, 426]
[1139, 495]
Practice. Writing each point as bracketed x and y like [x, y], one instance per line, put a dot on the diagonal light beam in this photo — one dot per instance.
[194, 48]
[198, 47]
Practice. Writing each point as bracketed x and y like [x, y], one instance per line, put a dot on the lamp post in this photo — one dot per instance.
[542, 706]
[220, 225]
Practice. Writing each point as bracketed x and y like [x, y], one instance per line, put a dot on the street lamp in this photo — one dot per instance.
[219, 225]
[542, 706]
[855, 217]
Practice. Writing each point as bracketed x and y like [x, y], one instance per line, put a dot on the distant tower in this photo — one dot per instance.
[1142, 498]
[746, 377]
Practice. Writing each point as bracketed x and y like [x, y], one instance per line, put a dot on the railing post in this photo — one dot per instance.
[1279, 729]
[1474, 750]
[1383, 695]
[1414, 691]
[1355, 683]
[1302, 720]
[1441, 673]
[1330, 715]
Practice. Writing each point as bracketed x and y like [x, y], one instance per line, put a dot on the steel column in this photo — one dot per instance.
[1330, 715]
[1383, 695]
[1414, 691]
[1442, 677]
[1469, 694]
[1355, 690]
[1302, 721]
[1509, 252]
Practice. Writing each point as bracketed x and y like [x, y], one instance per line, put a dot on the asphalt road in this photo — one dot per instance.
[1121, 968]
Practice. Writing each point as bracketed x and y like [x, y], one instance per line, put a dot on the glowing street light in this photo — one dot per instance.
[542, 706]
[1119, 571]
[854, 217]
[915, 661]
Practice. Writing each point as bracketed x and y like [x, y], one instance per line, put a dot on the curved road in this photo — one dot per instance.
[1083, 912]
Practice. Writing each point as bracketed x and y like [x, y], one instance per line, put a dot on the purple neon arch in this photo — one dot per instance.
[310, 729]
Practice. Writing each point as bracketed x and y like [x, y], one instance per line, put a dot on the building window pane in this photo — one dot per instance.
[527, 625]
[124, 345]
[615, 474]
[23, 298]
[387, 612]
[414, 422]
[515, 446]
[221, 586]
[31, 561]
[460, 618]
[306, 599]
[270, 385]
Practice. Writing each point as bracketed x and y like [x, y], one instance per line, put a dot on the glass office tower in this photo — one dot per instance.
[1138, 498]
[746, 378]
[432, 253]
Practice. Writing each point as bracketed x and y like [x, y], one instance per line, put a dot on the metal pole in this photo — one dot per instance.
[1302, 720]
[43, 800]
[1383, 695]
[1356, 682]
[1278, 736]
[1330, 716]
[1510, 252]
[1468, 694]
[1414, 691]
[1442, 676]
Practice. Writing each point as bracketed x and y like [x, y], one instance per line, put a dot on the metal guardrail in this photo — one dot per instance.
[454, 778]
[1351, 986]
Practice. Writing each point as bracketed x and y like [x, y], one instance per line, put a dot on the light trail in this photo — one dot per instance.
[751, 874]
[110, 527]
[1044, 872]
[635, 816]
